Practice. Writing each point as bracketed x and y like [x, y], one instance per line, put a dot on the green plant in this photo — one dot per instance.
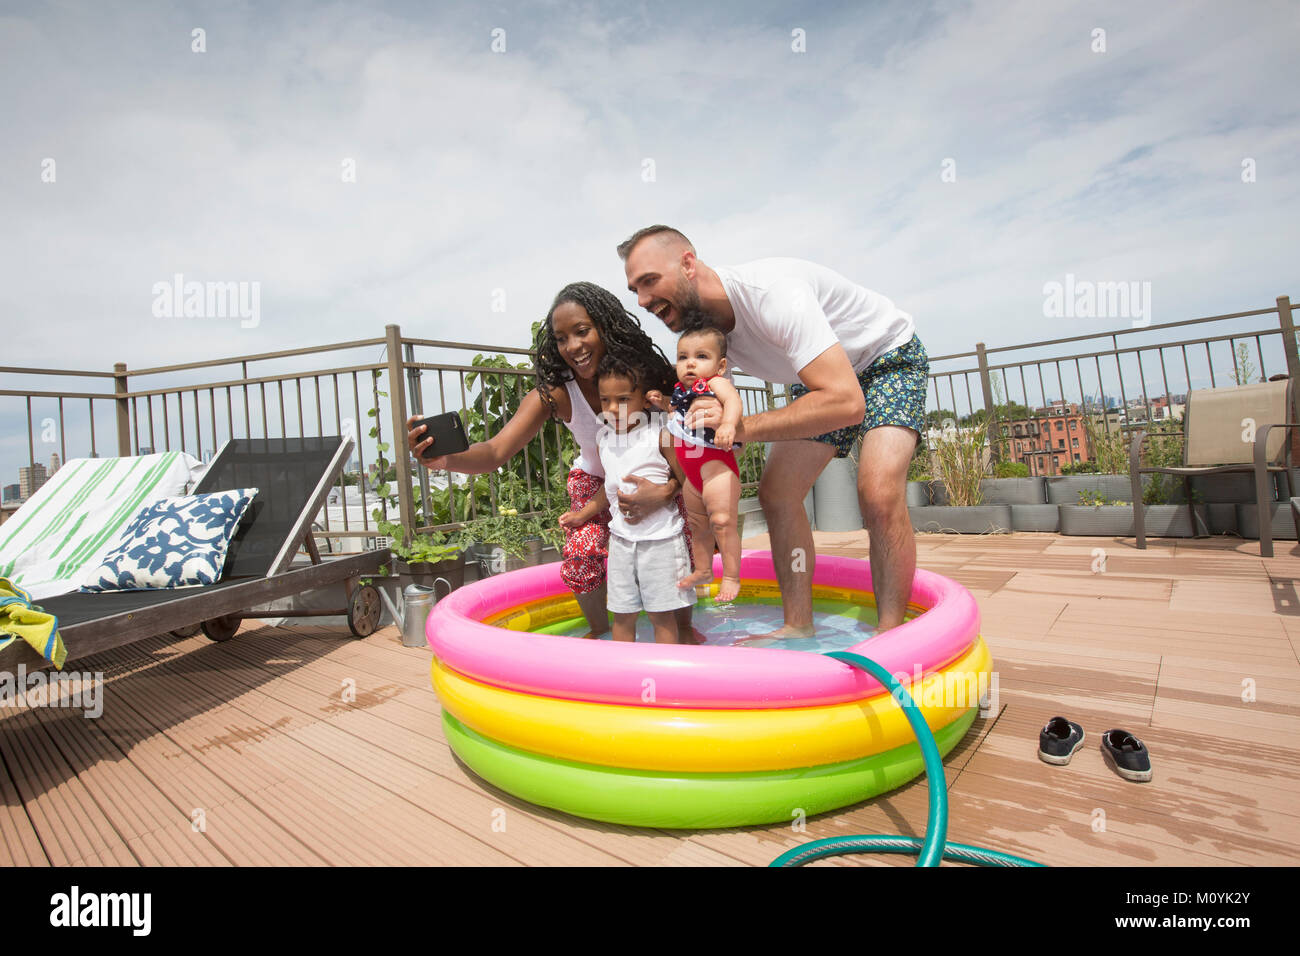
[751, 462]
[1162, 448]
[918, 469]
[505, 529]
[1096, 498]
[1242, 368]
[1081, 468]
[430, 547]
[959, 459]
[532, 481]
[1011, 469]
[1110, 448]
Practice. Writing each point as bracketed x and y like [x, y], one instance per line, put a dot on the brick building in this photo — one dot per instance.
[1054, 437]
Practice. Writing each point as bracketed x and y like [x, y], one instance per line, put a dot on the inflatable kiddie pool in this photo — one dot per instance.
[687, 736]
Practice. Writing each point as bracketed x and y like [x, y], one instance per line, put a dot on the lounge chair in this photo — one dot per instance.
[293, 477]
[1228, 430]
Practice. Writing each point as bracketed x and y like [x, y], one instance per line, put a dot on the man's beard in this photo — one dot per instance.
[690, 307]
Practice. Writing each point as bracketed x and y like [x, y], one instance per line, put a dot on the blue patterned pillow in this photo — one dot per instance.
[173, 543]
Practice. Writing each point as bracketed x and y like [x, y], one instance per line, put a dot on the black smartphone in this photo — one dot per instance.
[448, 435]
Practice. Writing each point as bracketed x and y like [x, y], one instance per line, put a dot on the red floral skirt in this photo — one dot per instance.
[586, 548]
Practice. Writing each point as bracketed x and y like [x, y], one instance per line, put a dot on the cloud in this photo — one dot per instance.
[478, 171]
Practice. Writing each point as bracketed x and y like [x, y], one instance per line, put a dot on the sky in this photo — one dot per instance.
[955, 157]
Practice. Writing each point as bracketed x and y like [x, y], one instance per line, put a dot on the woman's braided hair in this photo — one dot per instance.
[620, 333]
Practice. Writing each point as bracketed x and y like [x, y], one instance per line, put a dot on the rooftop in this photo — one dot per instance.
[246, 752]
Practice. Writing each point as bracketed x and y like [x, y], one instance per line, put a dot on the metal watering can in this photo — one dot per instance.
[417, 602]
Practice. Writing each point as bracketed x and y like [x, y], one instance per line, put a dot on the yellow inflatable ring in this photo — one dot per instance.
[702, 741]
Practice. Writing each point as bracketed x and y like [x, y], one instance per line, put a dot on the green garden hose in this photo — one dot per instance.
[934, 848]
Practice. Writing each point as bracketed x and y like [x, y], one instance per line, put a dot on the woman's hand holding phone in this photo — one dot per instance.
[417, 441]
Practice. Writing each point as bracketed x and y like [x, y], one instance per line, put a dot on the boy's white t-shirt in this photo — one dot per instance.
[789, 311]
[637, 453]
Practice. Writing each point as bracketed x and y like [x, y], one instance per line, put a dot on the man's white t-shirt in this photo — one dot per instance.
[789, 311]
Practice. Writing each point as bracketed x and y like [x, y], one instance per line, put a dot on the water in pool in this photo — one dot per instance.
[838, 625]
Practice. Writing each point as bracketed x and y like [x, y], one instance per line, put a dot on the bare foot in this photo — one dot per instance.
[594, 635]
[694, 637]
[696, 578]
[728, 590]
[779, 633]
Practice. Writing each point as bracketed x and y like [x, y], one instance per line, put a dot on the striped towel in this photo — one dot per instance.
[61, 532]
[40, 629]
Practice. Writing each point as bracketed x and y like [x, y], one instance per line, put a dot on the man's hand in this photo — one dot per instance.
[647, 497]
[707, 413]
[416, 442]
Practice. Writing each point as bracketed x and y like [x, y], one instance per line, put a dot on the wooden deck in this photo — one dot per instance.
[247, 753]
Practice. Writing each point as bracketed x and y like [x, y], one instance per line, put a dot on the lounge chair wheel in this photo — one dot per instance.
[364, 610]
[189, 630]
[221, 628]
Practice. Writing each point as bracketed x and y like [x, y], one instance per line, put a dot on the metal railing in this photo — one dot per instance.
[246, 396]
[1130, 371]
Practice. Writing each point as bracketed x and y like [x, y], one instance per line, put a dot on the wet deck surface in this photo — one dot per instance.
[247, 753]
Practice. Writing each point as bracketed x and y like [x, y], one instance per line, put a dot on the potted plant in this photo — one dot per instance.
[507, 541]
[1096, 515]
[515, 535]
[960, 459]
[1106, 478]
[918, 477]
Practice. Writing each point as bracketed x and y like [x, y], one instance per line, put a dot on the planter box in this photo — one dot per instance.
[980, 519]
[1223, 489]
[1221, 517]
[835, 497]
[1231, 488]
[749, 518]
[1161, 521]
[490, 559]
[1097, 520]
[918, 494]
[1064, 489]
[437, 576]
[1283, 525]
[1000, 491]
[1279, 482]
[752, 521]
[452, 571]
[1036, 518]
[808, 502]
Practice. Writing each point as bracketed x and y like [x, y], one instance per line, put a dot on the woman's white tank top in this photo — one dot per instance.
[584, 424]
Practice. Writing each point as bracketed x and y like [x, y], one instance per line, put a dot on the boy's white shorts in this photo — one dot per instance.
[643, 575]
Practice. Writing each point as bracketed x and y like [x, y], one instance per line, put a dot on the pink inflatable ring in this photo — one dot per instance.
[945, 627]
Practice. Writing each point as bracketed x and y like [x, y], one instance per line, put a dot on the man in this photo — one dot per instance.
[861, 373]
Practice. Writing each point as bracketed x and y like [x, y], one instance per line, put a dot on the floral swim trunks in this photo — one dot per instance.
[895, 386]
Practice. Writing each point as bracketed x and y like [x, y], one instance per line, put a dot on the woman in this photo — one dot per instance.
[585, 323]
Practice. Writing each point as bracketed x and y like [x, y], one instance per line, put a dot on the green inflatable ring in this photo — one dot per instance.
[645, 798]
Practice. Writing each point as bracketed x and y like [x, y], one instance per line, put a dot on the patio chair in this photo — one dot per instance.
[1228, 430]
[293, 477]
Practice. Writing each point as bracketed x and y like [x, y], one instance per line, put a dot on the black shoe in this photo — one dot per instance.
[1059, 740]
[1128, 755]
